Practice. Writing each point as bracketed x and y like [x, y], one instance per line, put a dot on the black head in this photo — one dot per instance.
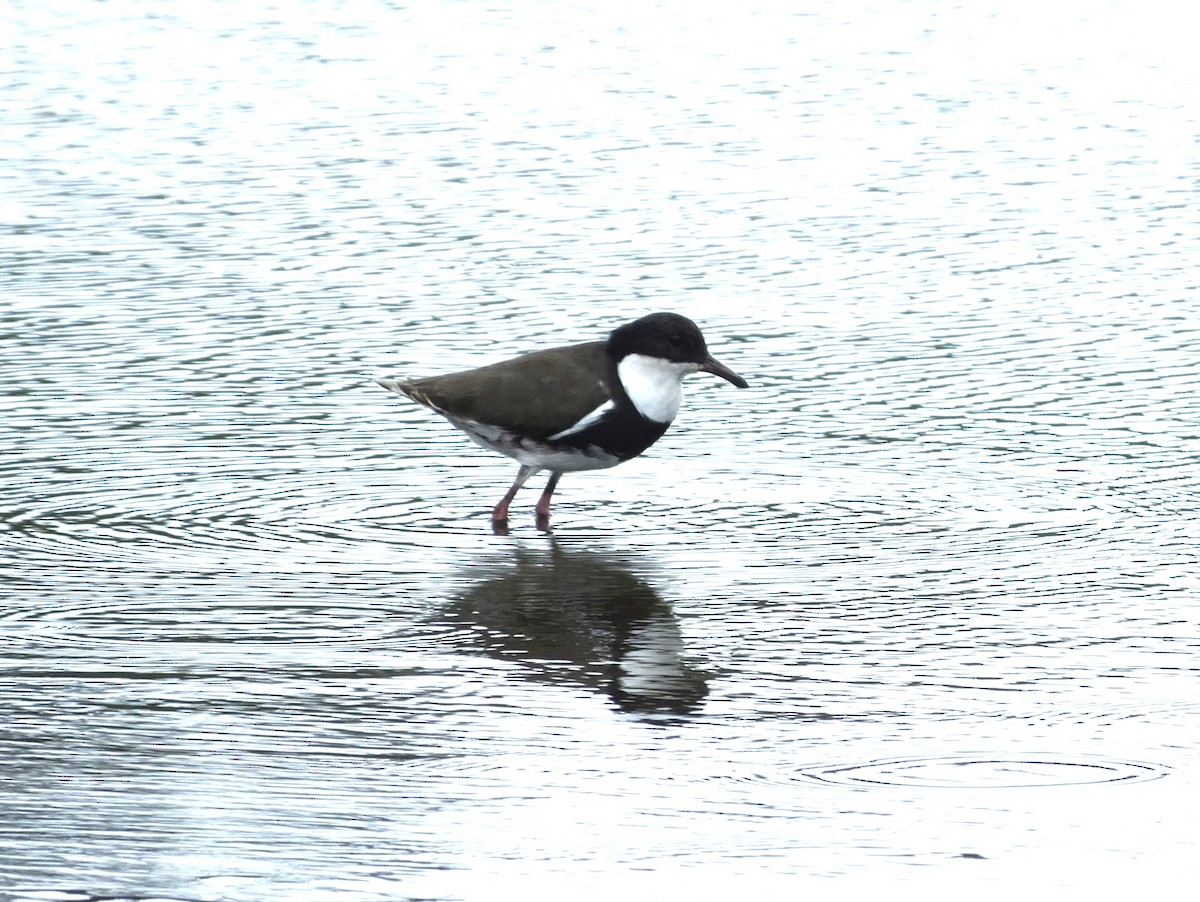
[668, 336]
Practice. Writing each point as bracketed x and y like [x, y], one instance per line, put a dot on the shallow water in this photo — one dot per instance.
[918, 609]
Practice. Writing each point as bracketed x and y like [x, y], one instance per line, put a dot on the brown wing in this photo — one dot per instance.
[538, 394]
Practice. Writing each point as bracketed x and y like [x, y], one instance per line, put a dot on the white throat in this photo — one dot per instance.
[654, 385]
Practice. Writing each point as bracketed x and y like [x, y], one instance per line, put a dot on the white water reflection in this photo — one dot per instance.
[917, 611]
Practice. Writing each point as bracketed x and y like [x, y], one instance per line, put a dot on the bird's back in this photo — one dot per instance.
[538, 395]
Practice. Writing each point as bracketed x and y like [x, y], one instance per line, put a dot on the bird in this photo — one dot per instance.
[578, 407]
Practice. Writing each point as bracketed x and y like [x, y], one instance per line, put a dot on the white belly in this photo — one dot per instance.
[532, 453]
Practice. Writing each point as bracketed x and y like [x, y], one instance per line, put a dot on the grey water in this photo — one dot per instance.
[918, 611]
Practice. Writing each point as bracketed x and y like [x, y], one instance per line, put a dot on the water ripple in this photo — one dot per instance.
[967, 772]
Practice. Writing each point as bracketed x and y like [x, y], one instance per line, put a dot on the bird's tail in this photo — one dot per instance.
[393, 384]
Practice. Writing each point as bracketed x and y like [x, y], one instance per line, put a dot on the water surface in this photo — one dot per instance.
[918, 610]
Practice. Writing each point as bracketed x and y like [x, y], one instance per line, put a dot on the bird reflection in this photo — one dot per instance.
[584, 618]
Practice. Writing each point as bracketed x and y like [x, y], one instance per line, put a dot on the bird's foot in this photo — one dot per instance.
[500, 518]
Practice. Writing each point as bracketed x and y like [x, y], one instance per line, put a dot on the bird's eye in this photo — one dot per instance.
[675, 339]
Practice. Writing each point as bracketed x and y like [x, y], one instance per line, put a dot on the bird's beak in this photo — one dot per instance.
[711, 365]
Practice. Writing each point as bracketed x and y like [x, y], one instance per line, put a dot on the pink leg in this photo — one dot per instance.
[500, 511]
[543, 506]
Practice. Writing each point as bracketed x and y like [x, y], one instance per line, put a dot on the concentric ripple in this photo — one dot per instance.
[968, 772]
